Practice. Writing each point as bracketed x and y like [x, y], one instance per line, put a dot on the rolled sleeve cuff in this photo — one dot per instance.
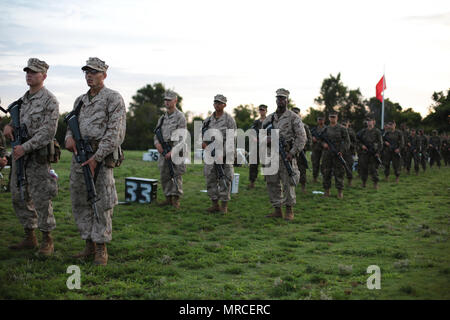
[27, 147]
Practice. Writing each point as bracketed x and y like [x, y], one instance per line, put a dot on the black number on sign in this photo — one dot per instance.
[138, 191]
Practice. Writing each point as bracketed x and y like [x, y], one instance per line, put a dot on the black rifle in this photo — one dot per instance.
[369, 147]
[20, 135]
[282, 147]
[322, 136]
[220, 173]
[392, 145]
[84, 152]
[166, 149]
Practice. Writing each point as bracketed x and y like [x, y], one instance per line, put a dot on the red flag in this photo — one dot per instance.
[381, 85]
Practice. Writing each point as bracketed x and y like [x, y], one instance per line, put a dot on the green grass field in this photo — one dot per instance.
[324, 253]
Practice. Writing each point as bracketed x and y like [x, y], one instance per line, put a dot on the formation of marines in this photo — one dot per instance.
[101, 118]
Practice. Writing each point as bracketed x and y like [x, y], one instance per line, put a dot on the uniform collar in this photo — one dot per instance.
[37, 95]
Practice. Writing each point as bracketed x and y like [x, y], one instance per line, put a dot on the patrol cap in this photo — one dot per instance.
[434, 131]
[282, 93]
[319, 117]
[96, 64]
[220, 98]
[262, 106]
[295, 110]
[36, 65]
[370, 118]
[170, 95]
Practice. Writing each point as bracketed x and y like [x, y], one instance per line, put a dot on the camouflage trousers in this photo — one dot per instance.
[409, 157]
[348, 157]
[253, 172]
[168, 186]
[36, 211]
[367, 164]
[302, 170]
[332, 166]
[216, 189]
[315, 159]
[423, 161]
[280, 187]
[435, 157]
[98, 231]
[388, 157]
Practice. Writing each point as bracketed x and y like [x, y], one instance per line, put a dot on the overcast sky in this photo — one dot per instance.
[242, 49]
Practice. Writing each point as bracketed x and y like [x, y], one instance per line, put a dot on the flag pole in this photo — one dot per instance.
[382, 105]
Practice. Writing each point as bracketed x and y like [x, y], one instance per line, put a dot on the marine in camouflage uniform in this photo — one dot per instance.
[369, 139]
[445, 150]
[102, 121]
[300, 161]
[434, 147]
[172, 120]
[412, 147]
[423, 144]
[257, 125]
[3, 160]
[391, 150]
[405, 132]
[350, 152]
[316, 152]
[331, 165]
[221, 121]
[279, 186]
[39, 113]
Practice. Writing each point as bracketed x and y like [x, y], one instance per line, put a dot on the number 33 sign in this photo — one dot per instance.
[140, 190]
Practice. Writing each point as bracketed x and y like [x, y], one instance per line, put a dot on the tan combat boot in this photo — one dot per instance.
[224, 207]
[289, 214]
[396, 180]
[29, 242]
[47, 246]
[375, 185]
[176, 202]
[168, 202]
[363, 184]
[251, 185]
[276, 213]
[101, 254]
[89, 250]
[349, 182]
[215, 206]
[327, 193]
[340, 194]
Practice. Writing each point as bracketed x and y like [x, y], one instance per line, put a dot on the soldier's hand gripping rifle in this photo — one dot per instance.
[282, 147]
[392, 145]
[322, 136]
[435, 148]
[20, 135]
[220, 173]
[369, 147]
[166, 149]
[84, 152]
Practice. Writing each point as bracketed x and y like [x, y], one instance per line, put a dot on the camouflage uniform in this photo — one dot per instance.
[396, 137]
[348, 155]
[435, 155]
[2, 145]
[253, 167]
[445, 150]
[102, 122]
[39, 113]
[412, 146]
[317, 151]
[423, 146]
[171, 122]
[331, 165]
[300, 162]
[214, 192]
[279, 186]
[404, 150]
[366, 161]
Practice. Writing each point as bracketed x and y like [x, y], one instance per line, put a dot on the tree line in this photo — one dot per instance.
[148, 105]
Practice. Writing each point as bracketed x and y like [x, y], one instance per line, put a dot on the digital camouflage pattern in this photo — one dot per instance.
[222, 124]
[39, 112]
[396, 137]
[170, 123]
[102, 121]
[279, 186]
[367, 163]
[316, 153]
[331, 165]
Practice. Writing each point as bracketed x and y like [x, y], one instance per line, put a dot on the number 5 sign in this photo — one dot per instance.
[140, 190]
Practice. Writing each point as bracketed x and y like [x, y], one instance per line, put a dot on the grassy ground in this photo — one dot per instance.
[189, 254]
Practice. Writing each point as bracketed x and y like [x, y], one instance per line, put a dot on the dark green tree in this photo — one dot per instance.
[332, 93]
[438, 118]
[244, 115]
